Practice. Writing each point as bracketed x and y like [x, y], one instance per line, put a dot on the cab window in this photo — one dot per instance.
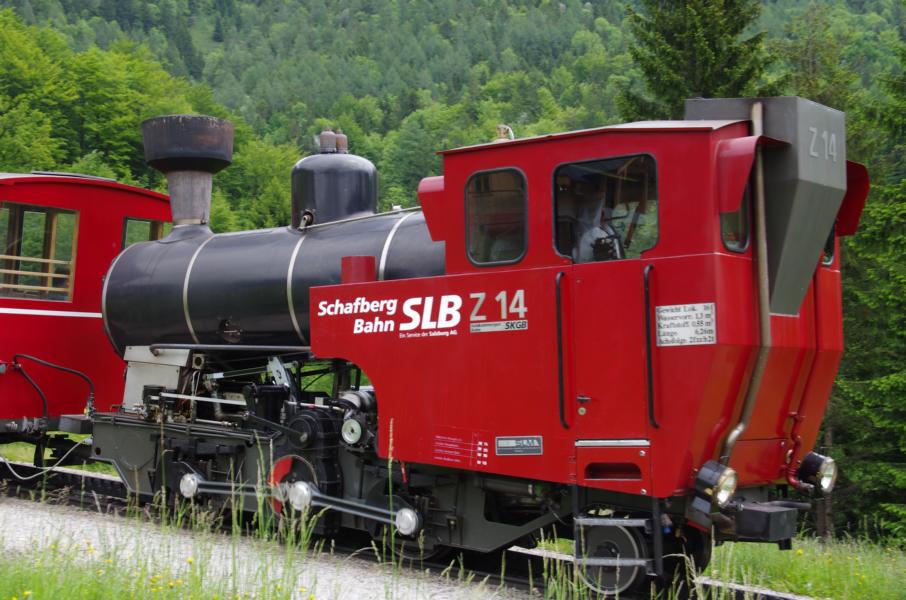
[143, 230]
[37, 255]
[496, 217]
[606, 209]
[734, 226]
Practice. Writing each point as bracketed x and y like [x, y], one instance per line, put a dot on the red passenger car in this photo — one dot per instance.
[58, 235]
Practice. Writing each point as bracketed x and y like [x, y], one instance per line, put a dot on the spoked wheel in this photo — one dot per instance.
[412, 549]
[611, 542]
[286, 471]
[415, 548]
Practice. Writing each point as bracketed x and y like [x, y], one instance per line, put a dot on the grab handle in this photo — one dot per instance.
[646, 274]
[557, 282]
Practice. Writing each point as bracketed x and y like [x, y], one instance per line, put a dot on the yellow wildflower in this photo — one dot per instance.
[799, 552]
[190, 560]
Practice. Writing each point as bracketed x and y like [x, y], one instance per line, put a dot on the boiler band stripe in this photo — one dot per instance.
[289, 290]
[386, 250]
[50, 313]
[185, 289]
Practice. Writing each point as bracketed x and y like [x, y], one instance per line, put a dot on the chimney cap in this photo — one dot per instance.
[188, 143]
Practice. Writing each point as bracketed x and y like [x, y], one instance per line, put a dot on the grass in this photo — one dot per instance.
[256, 567]
[25, 453]
[845, 569]
[144, 560]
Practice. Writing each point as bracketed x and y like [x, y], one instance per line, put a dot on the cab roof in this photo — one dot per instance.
[638, 126]
[77, 179]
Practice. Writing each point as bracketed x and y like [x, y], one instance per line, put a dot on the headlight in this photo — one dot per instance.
[716, 483]
[820, 471]
[726, 487]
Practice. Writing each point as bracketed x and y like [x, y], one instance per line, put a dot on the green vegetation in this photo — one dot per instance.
[691, 49]
[406, 78]
[847, 569]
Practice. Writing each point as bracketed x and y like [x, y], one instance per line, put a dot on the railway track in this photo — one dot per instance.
[524, 568]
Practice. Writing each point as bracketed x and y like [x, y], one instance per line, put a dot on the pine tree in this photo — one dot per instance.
[691, 48]
[217, 34]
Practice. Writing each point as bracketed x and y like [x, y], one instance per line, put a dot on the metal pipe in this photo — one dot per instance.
[764, 309]
[361, 218]
[190, 196]
[155, 348]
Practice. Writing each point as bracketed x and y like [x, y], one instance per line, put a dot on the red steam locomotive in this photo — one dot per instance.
[627, 334]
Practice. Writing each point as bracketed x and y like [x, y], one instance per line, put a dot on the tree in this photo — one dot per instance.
[692, 48]
[868, 409]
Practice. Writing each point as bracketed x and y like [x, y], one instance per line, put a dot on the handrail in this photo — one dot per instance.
[46, 261]
[33, 288]
[649, 370]
[560, 351]
[40, 274]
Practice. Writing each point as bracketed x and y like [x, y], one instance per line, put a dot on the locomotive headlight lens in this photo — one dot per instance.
[301, 494]
[819, 470]
[827, 475]
[407, 521]
[188, 485]
[726, 487]
[716, 483]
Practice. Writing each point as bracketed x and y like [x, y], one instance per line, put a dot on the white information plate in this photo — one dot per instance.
[686, 324]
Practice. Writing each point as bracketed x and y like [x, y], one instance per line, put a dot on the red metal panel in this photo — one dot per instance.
[857, 186]
[621, 469]
[608, 334]
[448, 387]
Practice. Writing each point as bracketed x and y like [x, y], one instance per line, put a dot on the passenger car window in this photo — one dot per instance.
[606, 209]
[496, 217]
[142, 230]
[37, 259]
[734, 226]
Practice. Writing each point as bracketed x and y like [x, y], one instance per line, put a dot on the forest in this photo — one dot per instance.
[405, 78]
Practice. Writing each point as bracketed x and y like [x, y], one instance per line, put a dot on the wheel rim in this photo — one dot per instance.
[611, 542]
[414, 549]
[289, 468]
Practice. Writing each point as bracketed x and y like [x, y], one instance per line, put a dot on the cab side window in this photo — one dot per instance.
[734, 226]
[37, 255]
[496, 217]
[143, 230]
[606, 209]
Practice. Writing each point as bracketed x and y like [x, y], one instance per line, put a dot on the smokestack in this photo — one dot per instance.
[188, 149]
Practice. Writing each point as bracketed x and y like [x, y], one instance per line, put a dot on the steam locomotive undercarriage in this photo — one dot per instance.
[231, 430]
